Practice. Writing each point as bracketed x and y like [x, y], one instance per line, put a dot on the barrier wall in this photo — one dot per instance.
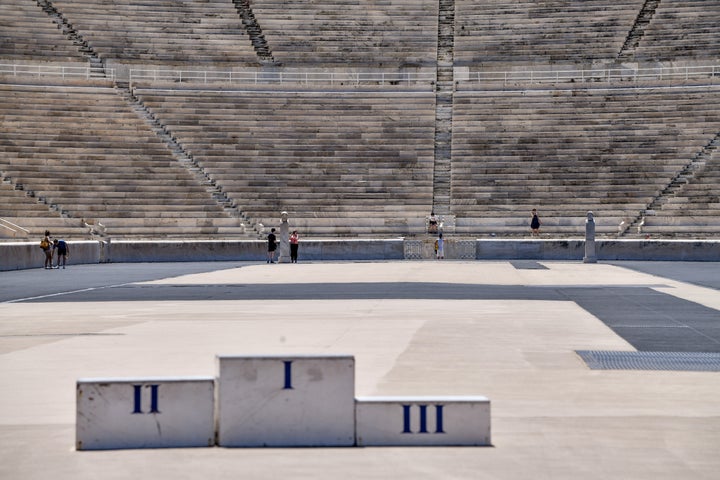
[620, 249]
[124, 251]
[25, 255]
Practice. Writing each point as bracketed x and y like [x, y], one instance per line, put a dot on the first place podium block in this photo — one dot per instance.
[145, 413]
[285, 401]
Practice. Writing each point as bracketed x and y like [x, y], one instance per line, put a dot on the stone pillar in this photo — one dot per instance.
[105, 251]
[590, 256]
[284, 255]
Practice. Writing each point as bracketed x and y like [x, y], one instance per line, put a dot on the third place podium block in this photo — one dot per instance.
[428, 421]
[285, 401]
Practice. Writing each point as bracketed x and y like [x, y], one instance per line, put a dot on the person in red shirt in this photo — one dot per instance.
[293, 246]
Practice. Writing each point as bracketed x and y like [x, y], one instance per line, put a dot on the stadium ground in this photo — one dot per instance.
[510, 331]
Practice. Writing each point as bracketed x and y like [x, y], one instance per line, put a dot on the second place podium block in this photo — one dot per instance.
[144, 413]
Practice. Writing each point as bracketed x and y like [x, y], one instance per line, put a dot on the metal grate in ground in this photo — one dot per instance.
[670, 361]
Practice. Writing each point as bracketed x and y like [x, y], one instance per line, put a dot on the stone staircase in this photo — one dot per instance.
[183, 157]
[253, 29]
[638, 30]
[97, 66]
[444, 108]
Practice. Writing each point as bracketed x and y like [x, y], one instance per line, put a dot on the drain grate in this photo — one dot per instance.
[527, 265]
[671, 361]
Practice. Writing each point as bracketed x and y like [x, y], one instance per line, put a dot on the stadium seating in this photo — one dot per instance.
[28, 34]
[349, 163]
[694, 211]
[358, 159]
[682, 30]
[502, 33]
[566, 152]
[397, 33]
[84, 151]
[166, 31]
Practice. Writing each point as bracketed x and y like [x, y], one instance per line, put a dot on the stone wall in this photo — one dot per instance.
[24, 255]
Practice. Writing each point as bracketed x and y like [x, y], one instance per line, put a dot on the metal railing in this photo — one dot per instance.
[12, 229]
[45, 70]
[621, 74]
[280, 77]
[607, 75]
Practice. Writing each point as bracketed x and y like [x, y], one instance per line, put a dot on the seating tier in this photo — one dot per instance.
[528, 32]
[682, 29]
[28, 34]
[188, 32]
[567, 152]
[392, 33]
[86, 154]
[348, 156]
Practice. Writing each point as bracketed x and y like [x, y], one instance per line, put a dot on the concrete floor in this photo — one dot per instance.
[505, 330]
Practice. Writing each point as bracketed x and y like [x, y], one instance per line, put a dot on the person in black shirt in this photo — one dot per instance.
[272, 246]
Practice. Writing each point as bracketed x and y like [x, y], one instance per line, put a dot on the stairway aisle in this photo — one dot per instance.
[443, 107]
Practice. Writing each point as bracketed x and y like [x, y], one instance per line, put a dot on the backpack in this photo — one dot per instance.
[44, 244]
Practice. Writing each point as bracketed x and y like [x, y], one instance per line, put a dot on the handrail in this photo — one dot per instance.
[619, 74]
[42, 70]
[15, 229]
[279, 77]
[614, 74]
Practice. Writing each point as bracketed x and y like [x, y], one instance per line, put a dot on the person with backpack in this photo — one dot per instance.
[46, 247]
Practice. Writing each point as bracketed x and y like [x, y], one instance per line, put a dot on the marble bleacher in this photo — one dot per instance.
[27, 34]
[682, 30]
[517, 154]
[87, 155]
[340, 163]
[566, 152]
[392, 33]
[196, 32]
[694, 211]
[503, 33]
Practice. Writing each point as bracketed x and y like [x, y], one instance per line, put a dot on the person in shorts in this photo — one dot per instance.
[272, 246]
[63, 250]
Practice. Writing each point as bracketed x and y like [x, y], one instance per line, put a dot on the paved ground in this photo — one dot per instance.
[506, 330]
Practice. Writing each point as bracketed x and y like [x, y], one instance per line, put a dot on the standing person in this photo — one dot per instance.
[432, 223]
[440, 247]
[46, 247]
[272, 246]
[535, 223]
[62, 251]
[293, 246]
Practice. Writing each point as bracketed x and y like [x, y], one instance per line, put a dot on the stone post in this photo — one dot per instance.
[590, 256]
[284, 256]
